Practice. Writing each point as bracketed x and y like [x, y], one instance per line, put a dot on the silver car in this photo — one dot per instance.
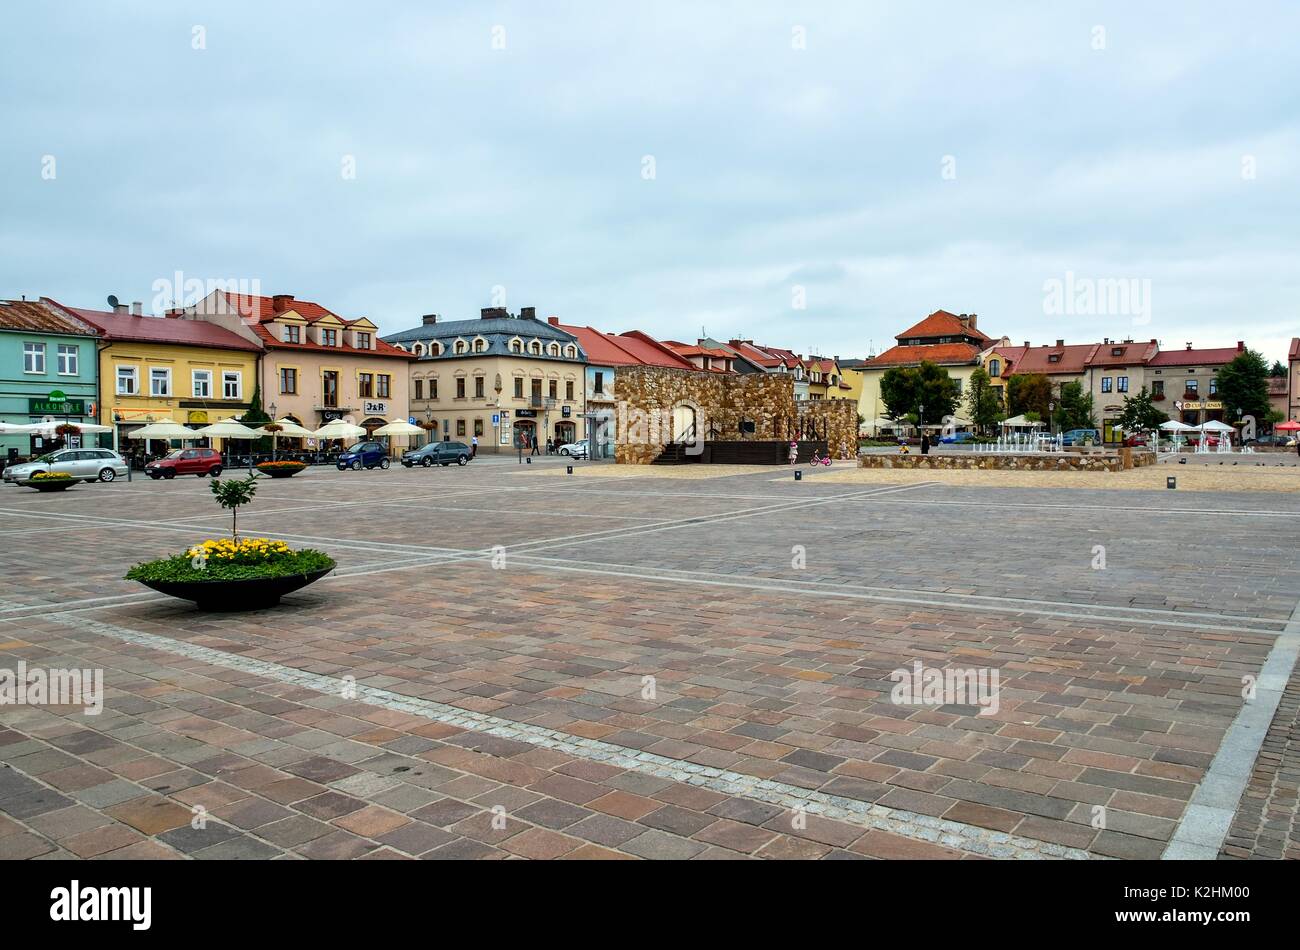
[84, 464]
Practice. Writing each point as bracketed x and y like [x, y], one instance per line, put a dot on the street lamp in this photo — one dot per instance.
[271, 407]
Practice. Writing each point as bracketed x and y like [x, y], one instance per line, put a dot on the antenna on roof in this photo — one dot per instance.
[112, 301]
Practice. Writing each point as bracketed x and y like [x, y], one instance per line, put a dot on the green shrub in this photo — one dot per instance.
[183, 567]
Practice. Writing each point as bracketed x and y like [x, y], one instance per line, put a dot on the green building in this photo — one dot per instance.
[48, 370]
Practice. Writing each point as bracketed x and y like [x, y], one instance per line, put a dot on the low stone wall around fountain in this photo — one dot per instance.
[1021, 462]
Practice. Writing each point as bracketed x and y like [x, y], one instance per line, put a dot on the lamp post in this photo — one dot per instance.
[272, 407]
[428, 432]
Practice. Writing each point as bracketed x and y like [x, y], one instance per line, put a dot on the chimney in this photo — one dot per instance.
[429, 319]
[1060, 343]
[121, 308]
[972, 318]
[282, 302]
[553, 321]
[137, 308]
[1026, 344]
[493, 313]
[527, 313]
[1241, 346]
[1189, 346]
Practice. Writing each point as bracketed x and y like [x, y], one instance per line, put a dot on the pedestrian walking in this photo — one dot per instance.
[550, 446]
[794, 452]
[473, 447]
[537, 446]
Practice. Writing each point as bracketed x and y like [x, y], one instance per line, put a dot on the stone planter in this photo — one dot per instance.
[280, 471]
[228, 596]
[61, 484]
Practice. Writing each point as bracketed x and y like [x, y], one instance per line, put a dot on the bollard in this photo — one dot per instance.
[569, 469]
[1171, 481]
[529, 460]
[798, 474]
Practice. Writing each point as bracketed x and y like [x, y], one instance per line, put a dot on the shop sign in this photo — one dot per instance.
[56, 407]
[376, 408]
[526, 413]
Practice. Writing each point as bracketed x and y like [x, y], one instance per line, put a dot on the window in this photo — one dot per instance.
[599, 385]
[478, 426]
[384, 385]
[1123, 383]
[571, 351]
[1193, 386]
[329, 380]
[519, 387]
[1117, 351]
[554, 389]
[1053, 357]
[433, 388]
[568, 390]
[329, 337]
[553, 349]
[516, 346]
[67, 359]
[1105, 384]
[460, 388]
[160, 381]
[478, 387]
[202, 383]
[363, 341]
[535, 348]
[418, 349]
[460, 347]
[232, 384]
[460, 426]
[1214, 385]
[128, 380]
[33, 357]
[419, 388]
[1158, 387]
[958, 382]
[288, 380]
[365, 385]
[435, 349]
[480, 345]
[292, 333]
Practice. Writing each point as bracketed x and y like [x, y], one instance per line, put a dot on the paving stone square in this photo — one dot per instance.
[511, 662]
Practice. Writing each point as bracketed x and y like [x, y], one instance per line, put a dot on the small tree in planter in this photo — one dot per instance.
[233, 494]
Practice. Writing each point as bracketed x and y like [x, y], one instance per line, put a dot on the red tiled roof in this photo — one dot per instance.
[692, 349]
[1072, 358]
[1294, 353]
[262, 308]
[628, 349]
[40, 316]
[941, 323]
[1277, 386]
[1185, 357]
[942, 353]
[1134, 354]
[125, 327]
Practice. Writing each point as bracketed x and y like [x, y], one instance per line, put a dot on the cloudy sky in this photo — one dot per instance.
[815, 175]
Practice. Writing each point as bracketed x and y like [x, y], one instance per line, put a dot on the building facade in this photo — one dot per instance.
[48, 371]
[318, 365]
[504, 380]
[153, 368]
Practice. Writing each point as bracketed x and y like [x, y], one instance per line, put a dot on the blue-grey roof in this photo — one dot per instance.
[498, 331]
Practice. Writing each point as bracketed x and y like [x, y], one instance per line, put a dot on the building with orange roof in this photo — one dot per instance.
[319, 366]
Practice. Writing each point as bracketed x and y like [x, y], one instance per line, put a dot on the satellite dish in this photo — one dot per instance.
[112, 301]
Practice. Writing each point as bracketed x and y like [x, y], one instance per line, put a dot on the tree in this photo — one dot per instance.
[907, 391]
[1139, 413]
[1074, 408]
[233, 493]
[1277, 369]
[1243, 386]
[1028, 393]
[256, 417]
[982, 404]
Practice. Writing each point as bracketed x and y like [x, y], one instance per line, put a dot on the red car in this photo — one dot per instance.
[185, 462]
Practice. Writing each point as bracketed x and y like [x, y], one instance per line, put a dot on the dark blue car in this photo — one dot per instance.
[364, 455]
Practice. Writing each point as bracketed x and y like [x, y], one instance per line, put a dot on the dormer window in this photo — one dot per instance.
[516, 345]
[553, 349]
[1117, 351]
[480, 345]
[535, 348]
[460, 347]
[418, 349]
[571, 351]
[995, 368]
[1053, 357]
[363, 341]
[435, 349]
[329, 337]
[292, 333]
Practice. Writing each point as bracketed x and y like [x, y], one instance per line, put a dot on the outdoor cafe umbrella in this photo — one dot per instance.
[1019, 422]
[399, 428]
[165, 429]
[1174, 426]
[1289, 426]
[338, 429]
[287, 427]
[227, 429]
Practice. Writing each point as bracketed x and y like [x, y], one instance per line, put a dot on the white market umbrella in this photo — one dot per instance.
[164, 429]
[17, 428]
[1214, 425]
[338, 429]
[49, 425]
[400, 427]
[1173, 425]
[226, 429]
[287, 428]
[1019, 422]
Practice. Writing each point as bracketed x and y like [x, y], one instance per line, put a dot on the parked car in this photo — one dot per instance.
[1136, 440]
[1079, 436]
[363, 455]
[200, 462]
[956, 438]
[86, 464]
[577, 450]
[437, 453]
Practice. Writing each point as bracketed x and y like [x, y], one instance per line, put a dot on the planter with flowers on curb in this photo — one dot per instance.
[229, 574]
[284, 469]
[49, 481]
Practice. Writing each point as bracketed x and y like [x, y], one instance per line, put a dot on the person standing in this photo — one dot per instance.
[521, 441]
[794, 452]
[473, 447]
[537, 447]
[925, 443]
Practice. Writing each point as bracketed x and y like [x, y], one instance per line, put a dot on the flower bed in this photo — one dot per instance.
[49, 481]
[234, 575]
[51, 477]
[284, 469]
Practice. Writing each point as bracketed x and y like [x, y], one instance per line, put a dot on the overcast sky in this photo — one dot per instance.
[668, 166]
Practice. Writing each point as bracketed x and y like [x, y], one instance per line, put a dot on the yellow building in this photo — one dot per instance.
[154, 368]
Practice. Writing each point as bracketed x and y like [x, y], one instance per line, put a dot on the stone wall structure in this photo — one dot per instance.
[655, 403]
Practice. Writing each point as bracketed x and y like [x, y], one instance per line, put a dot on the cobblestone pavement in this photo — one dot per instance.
[1267, 823]
[654, 669]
